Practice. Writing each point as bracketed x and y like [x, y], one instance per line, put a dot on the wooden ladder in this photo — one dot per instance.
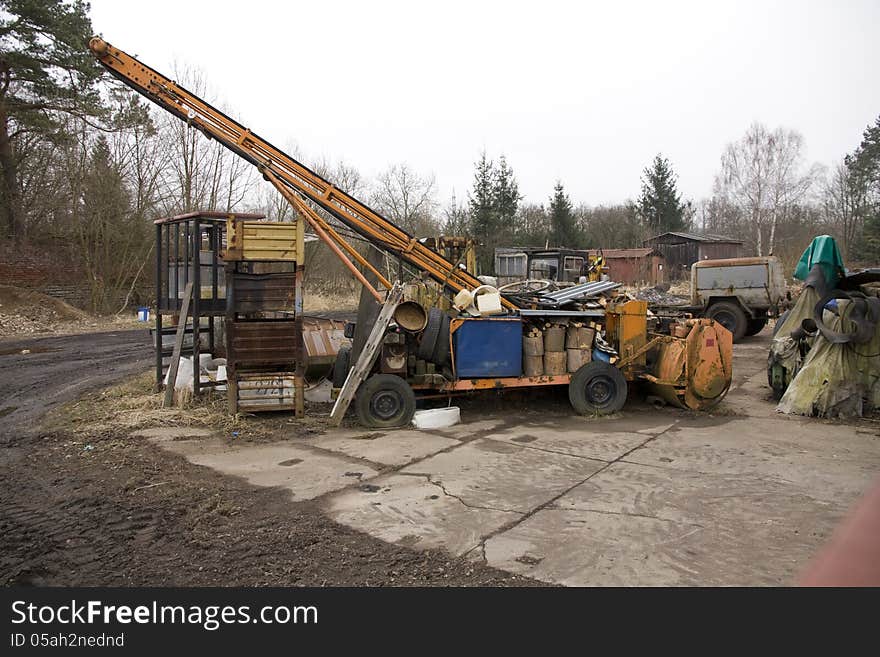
[174, 363]
[364, 364]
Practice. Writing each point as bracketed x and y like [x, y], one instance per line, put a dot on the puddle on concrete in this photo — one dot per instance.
[290, 462]
[524, 439]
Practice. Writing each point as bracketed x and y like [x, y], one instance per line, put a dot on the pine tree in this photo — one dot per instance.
[506, 196]
[563, 228]
[660, 206]
[46, 72]
[864, 167]
[106, 227]
[483, 213]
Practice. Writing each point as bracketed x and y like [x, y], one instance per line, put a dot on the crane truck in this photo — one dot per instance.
[685, 362]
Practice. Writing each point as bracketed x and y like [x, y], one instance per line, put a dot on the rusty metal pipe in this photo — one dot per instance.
[299, 204]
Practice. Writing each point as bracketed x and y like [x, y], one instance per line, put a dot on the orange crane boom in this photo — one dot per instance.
[286, 173]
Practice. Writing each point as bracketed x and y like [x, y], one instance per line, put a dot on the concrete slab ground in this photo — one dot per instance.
[305, 472]
[738, 496]
[389, 448]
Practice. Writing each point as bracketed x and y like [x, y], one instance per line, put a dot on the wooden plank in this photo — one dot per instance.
[178, 345]
[364, 364]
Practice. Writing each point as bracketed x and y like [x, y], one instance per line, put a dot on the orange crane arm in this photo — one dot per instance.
[283, 169]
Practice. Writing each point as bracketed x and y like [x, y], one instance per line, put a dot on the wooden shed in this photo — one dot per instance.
[681, 250]
[632, 266]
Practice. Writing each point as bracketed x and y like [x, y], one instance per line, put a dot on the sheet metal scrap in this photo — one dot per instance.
[577, 293]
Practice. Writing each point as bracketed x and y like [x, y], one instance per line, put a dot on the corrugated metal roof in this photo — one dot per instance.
[626, 253]
[696, 237]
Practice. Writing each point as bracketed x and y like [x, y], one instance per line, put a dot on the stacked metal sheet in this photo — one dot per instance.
[577, 293]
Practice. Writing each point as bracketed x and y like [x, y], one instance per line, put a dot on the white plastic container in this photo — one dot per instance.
[489, 303]
[462, 300]
[437, 418]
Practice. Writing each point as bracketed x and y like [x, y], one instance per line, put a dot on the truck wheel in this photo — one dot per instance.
[341, 366]
[730, 316]
[385, 400]
[597, 387]
[431, 334]
[756, 325]
[441, 348]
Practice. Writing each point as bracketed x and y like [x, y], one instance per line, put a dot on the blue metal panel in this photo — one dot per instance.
[488, 347]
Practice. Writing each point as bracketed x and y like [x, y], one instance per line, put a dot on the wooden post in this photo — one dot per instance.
[178, 345]
[364, 364]
[299, 389]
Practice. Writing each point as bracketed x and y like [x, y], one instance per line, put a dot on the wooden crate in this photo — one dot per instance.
[255, 392]
[266, 241]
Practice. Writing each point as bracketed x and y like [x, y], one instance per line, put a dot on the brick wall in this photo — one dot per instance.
[47, 272]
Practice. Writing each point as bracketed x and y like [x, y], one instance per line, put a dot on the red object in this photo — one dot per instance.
[852, 557]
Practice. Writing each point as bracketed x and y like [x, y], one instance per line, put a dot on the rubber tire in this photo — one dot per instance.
[385, 388]
[341, 366]
[779, 322]
[431, 334]
[733, 314]
[756, 325]
[597, 372]
[441, 348]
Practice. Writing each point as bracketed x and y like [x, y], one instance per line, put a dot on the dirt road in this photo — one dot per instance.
[37, 374]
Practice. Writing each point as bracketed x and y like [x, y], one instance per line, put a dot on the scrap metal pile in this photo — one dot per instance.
[825, 356]
[583, 295]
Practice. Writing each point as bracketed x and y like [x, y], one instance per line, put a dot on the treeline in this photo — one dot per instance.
[87, 166]
[764, 193]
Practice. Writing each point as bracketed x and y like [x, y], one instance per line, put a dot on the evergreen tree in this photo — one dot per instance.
[864, 168]
[483, 213]
[46, 72]
[506, 196]
[564, 232]
[107, 231]
[660, 205]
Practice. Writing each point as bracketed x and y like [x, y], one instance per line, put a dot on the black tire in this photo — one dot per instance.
[385, 400]
[431, 334]
[731, 316]
[779, 322]
[341, 366]
[597, 387]
[441, 348]
[756, 325]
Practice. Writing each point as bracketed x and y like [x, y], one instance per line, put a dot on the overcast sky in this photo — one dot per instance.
[585, 92]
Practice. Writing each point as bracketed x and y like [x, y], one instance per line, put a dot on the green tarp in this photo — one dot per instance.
[822, 251]
[837, 380]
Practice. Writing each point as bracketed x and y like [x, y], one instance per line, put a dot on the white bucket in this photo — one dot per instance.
[437, 418]
[206, 362]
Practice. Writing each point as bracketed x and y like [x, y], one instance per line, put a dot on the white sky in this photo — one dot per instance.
[587, 92]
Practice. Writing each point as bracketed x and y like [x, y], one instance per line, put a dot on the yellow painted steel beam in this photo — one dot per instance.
[216, 125]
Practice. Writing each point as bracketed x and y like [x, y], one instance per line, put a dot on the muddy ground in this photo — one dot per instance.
[102, 509]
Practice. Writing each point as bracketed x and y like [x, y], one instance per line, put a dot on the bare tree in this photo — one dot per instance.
[844, 200]
[201, 174]
[761, 175]
[456, 218]
[407, 199]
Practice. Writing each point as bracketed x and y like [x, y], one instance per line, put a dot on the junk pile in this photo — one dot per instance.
[824, 360]
[539, 294]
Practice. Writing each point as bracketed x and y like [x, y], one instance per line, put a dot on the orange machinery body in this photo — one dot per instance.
[692, 369]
